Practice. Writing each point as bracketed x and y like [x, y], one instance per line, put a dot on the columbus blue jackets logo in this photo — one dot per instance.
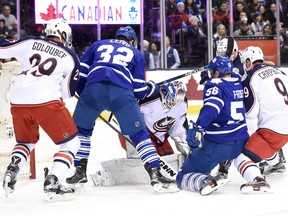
[164, 124]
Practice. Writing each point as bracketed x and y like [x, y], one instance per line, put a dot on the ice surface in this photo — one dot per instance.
[138, 200]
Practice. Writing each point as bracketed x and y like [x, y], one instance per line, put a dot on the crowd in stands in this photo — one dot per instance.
[186, 26]
[187, 22]
[8, 24]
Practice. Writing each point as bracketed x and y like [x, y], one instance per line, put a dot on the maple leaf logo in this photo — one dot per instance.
[50, 13]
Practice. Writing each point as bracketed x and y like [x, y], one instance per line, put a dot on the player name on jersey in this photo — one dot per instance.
[48, 49]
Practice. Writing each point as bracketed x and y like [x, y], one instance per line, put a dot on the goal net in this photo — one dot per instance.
[44, 149]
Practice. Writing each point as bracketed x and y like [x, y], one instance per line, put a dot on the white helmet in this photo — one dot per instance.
[227, 46]
[252, 54]
[59, 28]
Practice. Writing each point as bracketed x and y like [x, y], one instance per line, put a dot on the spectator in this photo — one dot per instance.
[244, 29]
[239, 7]
[154, 50]
[271, 13]
[221, 15]
[194, 29]
[182, 21]
[7, 16]
[191, 8]
[171, 7]
[13, 32]
[258, 24]
[173, 59]
[220, 33]
[3, 29]
[253, 6]
[263, 11]
[283, 42]
[266, 31]
[242, 15]
[148, 56]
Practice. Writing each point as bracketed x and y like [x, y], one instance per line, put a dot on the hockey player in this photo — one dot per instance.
[165, 116]
[265, 92]
[112, 78]
[229, 47]
[220, 129]
[50, 73]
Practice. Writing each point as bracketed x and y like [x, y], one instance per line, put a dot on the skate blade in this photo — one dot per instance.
[208, 189]
[51, 197]
[160, 188]
[7, 189]
[251, 190]
[77, 186]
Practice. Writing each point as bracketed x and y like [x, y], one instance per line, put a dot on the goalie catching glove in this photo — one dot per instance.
[152, 88]
[194, 135]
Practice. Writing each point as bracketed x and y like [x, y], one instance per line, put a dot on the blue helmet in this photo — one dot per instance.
[129, 33]
[222, 64]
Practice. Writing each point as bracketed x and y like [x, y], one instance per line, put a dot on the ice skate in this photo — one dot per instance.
[55, 191]
[10, 175]
[277, 168]
[259, 185]
[80, 175]
[223, 169]
[212, 184]
[160, 183]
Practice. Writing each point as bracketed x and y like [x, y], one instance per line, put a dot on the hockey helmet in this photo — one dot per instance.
[128, 33]
[252, 54]
[60, 29]
[222, 64]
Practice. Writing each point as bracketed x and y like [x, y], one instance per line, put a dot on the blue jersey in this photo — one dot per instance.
[223, 113]
[238, 66]
[115, 61]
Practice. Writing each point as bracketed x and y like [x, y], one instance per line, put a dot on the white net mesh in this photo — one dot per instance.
[44, 149]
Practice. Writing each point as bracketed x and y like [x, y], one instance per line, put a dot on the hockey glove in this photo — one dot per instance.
[194, 135]
[152, 88]
[205, 76]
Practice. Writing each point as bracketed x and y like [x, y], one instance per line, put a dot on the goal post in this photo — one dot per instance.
[44, 149]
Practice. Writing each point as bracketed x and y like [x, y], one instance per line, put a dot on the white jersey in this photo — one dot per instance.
[266, 98]
[49, 70]
[160, 123]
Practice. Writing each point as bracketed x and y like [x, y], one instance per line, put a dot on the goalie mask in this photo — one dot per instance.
[227, 46]
[60, 29]
[172, 94]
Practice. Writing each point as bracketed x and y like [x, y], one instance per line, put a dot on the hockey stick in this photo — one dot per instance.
[165, 167]
[183, 75]
[174, 78]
